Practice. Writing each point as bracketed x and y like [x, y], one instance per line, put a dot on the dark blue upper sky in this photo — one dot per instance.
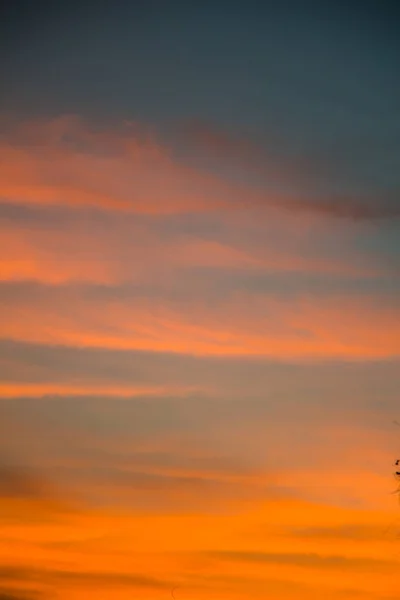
[313, 81]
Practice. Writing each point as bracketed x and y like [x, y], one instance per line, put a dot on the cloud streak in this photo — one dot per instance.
[67, 162]
[244, 324]
[312, 178]
[307, 560]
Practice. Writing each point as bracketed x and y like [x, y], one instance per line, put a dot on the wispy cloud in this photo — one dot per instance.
[16, 482]
[307, 560]
[12, 594]
[247, 323]
[281, 174]
[76, 579]
[67, 162]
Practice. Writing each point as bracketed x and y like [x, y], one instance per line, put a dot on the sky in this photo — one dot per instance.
[199, 291]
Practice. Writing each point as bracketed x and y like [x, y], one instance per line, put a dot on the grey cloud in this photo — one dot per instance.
[22, 480]
[210, 292]
[35, 363]
[221, 283]
[19, 482]
[11, 594]
[341, 532]
[158, 492]
[341, 164]
[91, 237]
[307, 560]
[75, 578]
[380, 206]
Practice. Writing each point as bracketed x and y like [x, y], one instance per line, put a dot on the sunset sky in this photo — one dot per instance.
[199, 300]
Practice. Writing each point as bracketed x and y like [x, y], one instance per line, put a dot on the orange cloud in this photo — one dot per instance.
[246, 324]
[39, 390]
[88, 249]
[107, 254]
[65, 162]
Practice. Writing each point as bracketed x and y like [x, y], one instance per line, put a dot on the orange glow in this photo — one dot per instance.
[203, 555]
[212, 455]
